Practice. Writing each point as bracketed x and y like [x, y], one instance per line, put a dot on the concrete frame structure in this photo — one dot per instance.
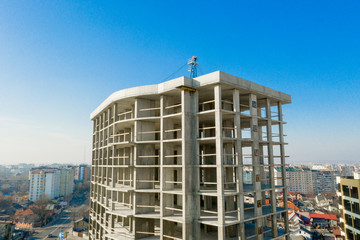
[168, 161]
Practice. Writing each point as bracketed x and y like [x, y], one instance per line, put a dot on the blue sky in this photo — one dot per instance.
[59, 60]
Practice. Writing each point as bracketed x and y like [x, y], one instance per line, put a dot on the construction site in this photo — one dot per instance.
[169, 160]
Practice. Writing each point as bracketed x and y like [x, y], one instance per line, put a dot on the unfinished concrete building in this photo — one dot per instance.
[168, 161]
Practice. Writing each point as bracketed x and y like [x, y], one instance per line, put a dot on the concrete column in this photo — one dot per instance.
[115, 112]
[219, 163]
[96, 134]
[136, 129]
[100, 133]
[270, 154]
[107, 163]
[113, 147]
[161, 162]
[103, 132]
[108, 117]
[98, 138]
[261, 156]
[256, 165]
[195, 161]
[283, 168]
[239, 163]
[107, 138]
[188, 157]
[112, 168]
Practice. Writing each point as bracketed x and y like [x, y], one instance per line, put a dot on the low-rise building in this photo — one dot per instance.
[321, 201]
[81, 225]
[26, 219]
[323, 220]
[302, 233]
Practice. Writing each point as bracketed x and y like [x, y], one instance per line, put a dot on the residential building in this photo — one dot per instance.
[347, 170]
[299, 179]
[323, 220]
[84, 173]
[168, 161]
[26, 219]
[324, 180]
[51, 182]
[350, 206]
[247, 175]
[66, 181]
[302, 233]
[76, 173]
[81, 225]
[44, 182]
[321, 201]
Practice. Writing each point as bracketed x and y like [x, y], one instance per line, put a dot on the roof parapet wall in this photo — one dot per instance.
[207, 79]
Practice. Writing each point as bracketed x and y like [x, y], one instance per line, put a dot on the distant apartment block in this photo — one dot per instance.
[324, 180]
[168, 161]
[299, 179]
[302, 179]
[82, 173]
[347, 170]
[247, 177]
[51, 182]
[349, 204]
[44, 182]
[66, 181]
[76, 173]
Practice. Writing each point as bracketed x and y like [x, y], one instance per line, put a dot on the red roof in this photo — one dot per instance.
[24, 212]
[324, 216]
[290, 205]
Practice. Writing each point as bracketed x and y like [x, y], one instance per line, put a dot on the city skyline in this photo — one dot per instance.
[60, 60]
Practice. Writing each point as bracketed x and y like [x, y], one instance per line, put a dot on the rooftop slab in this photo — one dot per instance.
[198, 82]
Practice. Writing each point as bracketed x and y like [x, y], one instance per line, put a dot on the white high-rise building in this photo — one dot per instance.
[44, 182]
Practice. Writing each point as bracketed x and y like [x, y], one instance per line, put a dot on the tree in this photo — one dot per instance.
[5, 188]
[7, 231]
[82, 187]
[80, 212]
[84, 211]
[5, 202]
[39, 209]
